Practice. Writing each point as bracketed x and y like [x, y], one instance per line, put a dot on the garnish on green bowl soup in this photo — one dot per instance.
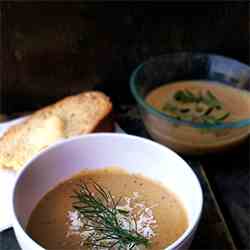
[203, 112]
[196, 106]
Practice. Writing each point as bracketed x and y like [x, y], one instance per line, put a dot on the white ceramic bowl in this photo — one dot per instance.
[95, 151]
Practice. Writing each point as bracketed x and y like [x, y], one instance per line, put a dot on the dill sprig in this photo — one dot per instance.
[101, 216]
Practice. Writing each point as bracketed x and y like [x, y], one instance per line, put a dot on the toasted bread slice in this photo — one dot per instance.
[74, 115]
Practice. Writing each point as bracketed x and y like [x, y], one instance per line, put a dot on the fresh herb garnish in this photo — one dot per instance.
[223, 117]
[185, 96]
[103, 219]
[211, 100]
[208, 111]
[204, 106]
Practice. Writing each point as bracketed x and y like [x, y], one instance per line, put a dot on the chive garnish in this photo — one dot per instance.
[208, 111]
[209, 103]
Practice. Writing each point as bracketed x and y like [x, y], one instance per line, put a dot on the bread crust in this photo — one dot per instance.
[101, 122]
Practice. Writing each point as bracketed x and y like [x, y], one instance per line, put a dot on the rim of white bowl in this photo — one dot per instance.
[175, 244]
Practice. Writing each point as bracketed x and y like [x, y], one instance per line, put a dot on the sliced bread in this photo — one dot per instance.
[73, 115]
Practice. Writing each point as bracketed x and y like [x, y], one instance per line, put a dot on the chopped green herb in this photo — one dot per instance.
[211, 96]
[209, 120]
[190, 95]
[211, 100]
[187, 97]
[208, 111]
[223, 117]
[184, 96]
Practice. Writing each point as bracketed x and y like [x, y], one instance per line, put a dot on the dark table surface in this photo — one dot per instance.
[229, 175]
[225, 181]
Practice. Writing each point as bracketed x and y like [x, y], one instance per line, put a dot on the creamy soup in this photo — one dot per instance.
[204, 102]
[143, 208]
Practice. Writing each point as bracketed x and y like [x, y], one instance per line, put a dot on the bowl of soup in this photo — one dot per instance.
[106, 191]
[194, 103]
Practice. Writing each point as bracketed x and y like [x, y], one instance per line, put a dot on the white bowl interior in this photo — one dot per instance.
[94, 151]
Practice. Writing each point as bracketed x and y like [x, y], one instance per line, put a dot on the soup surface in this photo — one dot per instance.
[157, 213]
[198, 101]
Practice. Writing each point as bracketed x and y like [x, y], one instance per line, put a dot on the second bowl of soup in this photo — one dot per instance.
[194, 103]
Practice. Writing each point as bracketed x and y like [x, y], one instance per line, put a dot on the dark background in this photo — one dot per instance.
[49, 50]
